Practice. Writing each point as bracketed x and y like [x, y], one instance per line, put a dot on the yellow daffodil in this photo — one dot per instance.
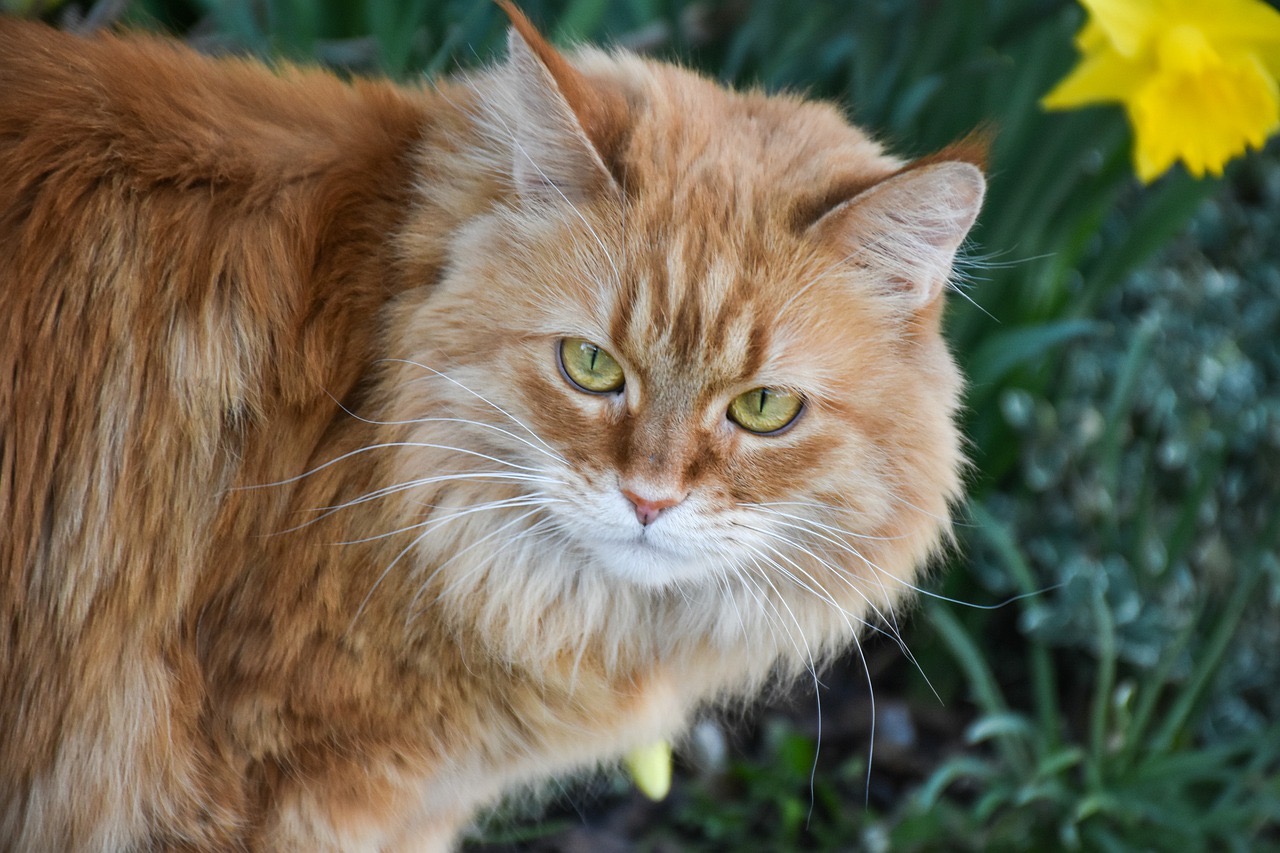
[1197, 78]
[650, 768]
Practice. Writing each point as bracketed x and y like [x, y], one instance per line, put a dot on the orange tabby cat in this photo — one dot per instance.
[367, 452]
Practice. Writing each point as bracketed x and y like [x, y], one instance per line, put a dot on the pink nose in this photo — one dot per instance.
[647, 510]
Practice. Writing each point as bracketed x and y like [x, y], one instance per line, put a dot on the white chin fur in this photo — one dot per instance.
[647, 564]
[670, 551]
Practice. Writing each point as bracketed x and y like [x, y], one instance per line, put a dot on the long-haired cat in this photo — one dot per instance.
[367, 452]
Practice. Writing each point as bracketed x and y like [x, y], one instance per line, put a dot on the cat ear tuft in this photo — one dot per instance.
[907, 229]
[554, 158]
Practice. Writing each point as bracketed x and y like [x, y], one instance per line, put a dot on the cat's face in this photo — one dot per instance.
[713, 363]
[699, 404]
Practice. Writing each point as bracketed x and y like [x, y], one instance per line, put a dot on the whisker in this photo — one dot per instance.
[821, 593]
[781, 599]
[478, 396]
[871, 697]
[382, 446]
[425, 583]
[381, 577]
[409, 485]
[819, 524]
[722, 582]
[757, 594]
[426, 420]
[416, 541]
[535, 500]
[462, 476]
[893, 632]
[857, 644]
[919, 590]
[817, 684]
[807, 526]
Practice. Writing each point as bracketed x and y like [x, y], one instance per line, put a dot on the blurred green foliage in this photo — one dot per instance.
[1125, 417]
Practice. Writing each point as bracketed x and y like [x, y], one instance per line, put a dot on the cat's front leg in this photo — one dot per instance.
[372, 809]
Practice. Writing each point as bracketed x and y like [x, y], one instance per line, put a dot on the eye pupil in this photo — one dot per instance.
[765, 411]
[588, 367]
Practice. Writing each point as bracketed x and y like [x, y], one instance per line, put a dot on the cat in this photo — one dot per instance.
[369, 452]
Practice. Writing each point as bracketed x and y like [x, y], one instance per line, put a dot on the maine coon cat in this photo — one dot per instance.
[367, 452]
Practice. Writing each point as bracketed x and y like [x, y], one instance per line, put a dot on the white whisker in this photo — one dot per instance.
[544, 449]
[430, 527]
[383, 446]
[807, 527]
[479, 397]
[809, 521]
[496, 531]
[813, 587]
[813, 672]
[536, 500]
[919, 590]
[409, 485]
[757, 594]
[781, 599]
[871, 697]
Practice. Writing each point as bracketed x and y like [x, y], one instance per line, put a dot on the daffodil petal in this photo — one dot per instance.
[1092, 38]
[1101, 78]
[1128, 24]
[650, 768]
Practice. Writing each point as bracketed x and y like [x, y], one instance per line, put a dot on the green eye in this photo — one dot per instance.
[764, 410]
[589, 367]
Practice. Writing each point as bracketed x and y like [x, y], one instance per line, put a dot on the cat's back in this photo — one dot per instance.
[133, 169]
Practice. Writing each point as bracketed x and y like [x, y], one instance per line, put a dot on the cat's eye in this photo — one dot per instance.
[765, 410]
[589, 367]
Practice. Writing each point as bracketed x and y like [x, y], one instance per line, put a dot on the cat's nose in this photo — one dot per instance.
[648, 509]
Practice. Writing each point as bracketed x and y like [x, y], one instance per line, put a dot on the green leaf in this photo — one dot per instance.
[1007, 725]
[1006, 350]
[1058, 761]
[961, 767]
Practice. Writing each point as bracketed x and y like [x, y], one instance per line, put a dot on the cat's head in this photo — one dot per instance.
[695, 343]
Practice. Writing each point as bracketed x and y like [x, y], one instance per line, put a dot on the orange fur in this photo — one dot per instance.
[307, 542]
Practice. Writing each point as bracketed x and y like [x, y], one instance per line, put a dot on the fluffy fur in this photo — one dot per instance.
[307, 541]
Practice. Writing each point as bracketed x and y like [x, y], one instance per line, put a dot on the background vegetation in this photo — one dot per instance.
[1122, 344]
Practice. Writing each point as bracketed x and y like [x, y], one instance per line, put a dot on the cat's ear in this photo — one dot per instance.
[907, 229]
[563, 121]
